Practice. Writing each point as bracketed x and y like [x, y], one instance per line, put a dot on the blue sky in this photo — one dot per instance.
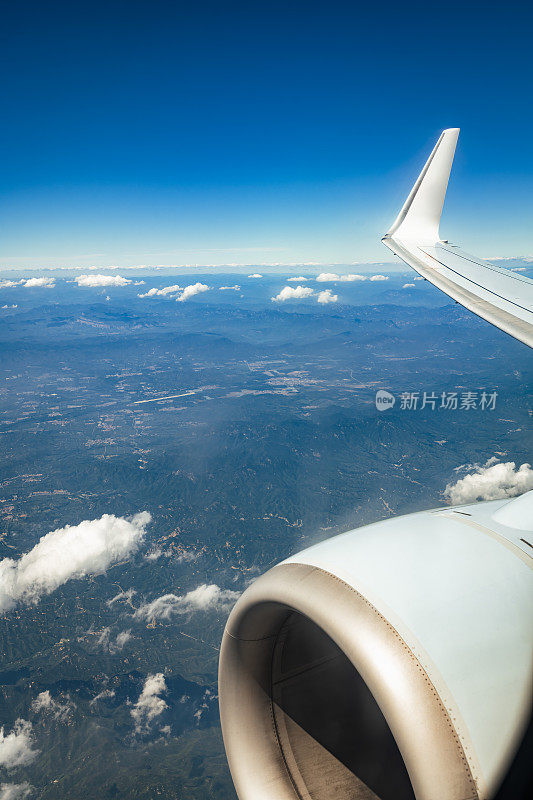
[224, 132]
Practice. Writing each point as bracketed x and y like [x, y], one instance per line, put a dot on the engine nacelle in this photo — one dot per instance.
[393, 661]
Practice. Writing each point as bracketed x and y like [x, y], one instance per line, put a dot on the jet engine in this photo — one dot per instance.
[393, 661]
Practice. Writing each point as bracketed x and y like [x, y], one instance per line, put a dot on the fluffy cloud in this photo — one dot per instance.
[15, 791]
[71, 552]
[46, 703]
[299, 278]
[149, 705]
[379, 278]
[288, 293]
[419, 278]
[235, 288]
[48, 283]
[106, 642]
[492, 481]
[161, 292]
[9, 284]
[204, 598]
[331, 277]
[101, 280]
[16, 748]
[255, 275]
[408, 286]
[191, 290]
[327, 297]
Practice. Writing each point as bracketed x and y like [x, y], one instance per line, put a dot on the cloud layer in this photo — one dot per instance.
[149, 705]
[332, 277]
[492, 481]
[71, 552]
[205, 597]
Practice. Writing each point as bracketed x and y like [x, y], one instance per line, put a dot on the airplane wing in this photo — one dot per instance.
[500, 296]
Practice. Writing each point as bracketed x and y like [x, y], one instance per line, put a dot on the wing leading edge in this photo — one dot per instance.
[499, 296]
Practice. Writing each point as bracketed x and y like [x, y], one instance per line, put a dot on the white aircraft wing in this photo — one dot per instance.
[499, 296]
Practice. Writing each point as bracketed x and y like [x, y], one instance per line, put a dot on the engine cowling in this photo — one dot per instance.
[392, 661]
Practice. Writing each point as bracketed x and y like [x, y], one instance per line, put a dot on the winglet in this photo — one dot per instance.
[420, 216]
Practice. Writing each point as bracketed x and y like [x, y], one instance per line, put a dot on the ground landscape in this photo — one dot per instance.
[241, 429]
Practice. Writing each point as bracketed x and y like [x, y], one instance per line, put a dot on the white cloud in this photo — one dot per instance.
[419, 278]
[67, 553]
[45, 702]
[9, 284]
[379, 278]
[255, 275]
[299, 278]
[408, 286]
[46, 282]
[105, 694]
[122, 595]
[112, 646]
[492, 481]
[153, 555]
[327, 297]
[186, 556]
[16, 748]
[203, 598]
[149, 705]
[101, 280]
[12, 306]
[191, 290]
[174, 289]
[327, 277]
[288, 293]
[15, 791]
[31, 283]
[235, 288]
[331, 277]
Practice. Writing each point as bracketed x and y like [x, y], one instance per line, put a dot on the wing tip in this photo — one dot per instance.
[421, 212]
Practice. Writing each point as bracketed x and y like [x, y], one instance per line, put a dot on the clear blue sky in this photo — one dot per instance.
[217, 132]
